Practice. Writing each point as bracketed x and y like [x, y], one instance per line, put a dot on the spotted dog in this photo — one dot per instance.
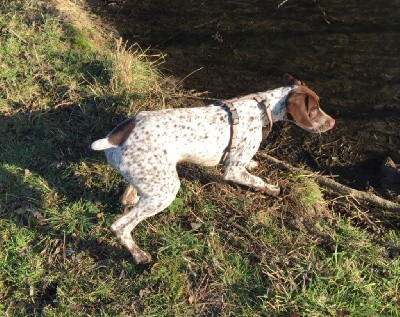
[146, 148]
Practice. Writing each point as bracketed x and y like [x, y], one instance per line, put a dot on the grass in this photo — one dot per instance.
[219, 250]
[146, 76]
[307, 192]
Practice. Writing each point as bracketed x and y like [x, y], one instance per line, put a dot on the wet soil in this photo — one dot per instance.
[346, 51]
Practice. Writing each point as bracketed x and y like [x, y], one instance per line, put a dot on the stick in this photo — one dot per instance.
[10, 30]
[335, 186]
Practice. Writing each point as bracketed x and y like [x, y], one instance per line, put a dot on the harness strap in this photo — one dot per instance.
[234, 120]
[267, 127]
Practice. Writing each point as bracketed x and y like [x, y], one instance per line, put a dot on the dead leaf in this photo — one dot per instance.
[191, 299]
[144, 292]
[36, 214]
[342, 312]
[195, 225]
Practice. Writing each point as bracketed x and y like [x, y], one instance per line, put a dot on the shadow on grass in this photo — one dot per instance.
[46, 158]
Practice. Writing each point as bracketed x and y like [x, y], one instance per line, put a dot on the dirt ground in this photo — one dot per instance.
[347, 52]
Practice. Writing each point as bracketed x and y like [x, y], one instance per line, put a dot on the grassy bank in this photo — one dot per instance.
[219, 250]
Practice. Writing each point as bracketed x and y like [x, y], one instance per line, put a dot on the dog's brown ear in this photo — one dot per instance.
[289, 80]
[297, 108]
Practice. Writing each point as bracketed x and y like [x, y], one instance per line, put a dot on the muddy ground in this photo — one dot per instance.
[348, 52]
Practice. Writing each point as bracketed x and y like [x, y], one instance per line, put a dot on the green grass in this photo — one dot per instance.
[218, 250]
[307, 192]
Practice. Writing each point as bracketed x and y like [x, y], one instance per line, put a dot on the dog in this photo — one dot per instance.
[146, 148]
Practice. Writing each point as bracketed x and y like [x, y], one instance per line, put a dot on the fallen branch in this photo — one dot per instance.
[335, 186]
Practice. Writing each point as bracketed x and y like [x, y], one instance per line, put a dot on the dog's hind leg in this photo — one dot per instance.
[130, 196]
[155, 196]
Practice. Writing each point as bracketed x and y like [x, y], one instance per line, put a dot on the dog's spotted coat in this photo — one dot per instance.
[146, 148]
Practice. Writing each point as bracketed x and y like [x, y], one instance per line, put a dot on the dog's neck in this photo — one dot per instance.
[277, 101]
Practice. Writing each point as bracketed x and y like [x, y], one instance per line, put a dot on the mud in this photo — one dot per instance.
[348, 52]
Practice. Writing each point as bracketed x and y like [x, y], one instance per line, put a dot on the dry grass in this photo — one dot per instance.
[92, 27]
[134, 70]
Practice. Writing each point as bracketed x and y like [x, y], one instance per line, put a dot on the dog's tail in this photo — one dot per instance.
[102, 144]
[116, 137]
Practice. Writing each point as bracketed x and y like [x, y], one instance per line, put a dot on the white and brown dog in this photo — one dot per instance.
[146, 148]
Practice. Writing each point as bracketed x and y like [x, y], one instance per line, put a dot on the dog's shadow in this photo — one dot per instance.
[195, 173]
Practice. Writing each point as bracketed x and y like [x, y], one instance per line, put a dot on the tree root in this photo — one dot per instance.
[324, 181]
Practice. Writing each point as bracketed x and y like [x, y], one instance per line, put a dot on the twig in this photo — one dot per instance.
[10, 30]
[335, 186]
[209, 22]
[282, 3]
[362, 214]
[193, 28]
[323, 13]
[190, 74]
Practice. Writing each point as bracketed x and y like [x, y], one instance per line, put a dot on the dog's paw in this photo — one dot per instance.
[252, 165]
[142, 257]
[272, 190]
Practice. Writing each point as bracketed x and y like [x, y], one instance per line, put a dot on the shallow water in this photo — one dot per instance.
[346, 51]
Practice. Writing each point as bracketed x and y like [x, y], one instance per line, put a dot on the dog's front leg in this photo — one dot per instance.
[252, 165]
[240, 175]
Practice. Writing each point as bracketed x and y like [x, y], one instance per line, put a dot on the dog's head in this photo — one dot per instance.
[302, 106]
